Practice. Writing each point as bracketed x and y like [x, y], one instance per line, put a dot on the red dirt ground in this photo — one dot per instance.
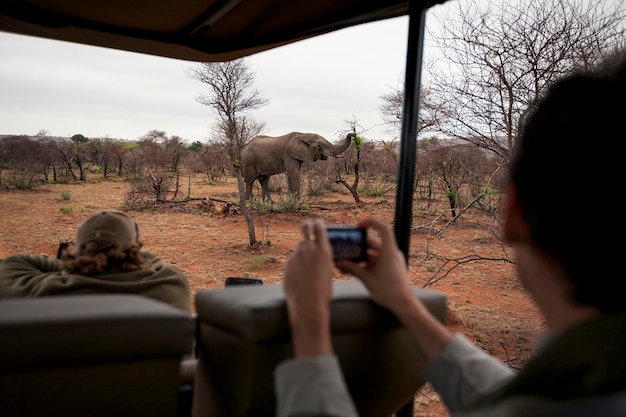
[484, 298]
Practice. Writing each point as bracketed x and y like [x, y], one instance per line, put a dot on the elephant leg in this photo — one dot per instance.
[264, 180]
[248, 184]
[294, 179]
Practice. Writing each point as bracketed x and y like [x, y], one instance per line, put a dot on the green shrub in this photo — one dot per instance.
[65, 195]
[277, 184]
[340, 189]
[24, 184]
[288, 204]
[292, 204]
[23, 178]
[316, 189]
[374, 190]
[256, 262]
[94, 169]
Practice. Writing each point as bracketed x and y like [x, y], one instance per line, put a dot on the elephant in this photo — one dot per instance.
[265, 156]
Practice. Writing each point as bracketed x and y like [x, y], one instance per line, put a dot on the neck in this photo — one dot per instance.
[550, 287]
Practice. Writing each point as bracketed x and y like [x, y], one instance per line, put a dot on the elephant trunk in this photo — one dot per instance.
[339, 148]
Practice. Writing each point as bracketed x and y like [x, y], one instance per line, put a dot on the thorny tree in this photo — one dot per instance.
[431, 111]
[486, 66]
[498, 58]
[356, 144]
[232, 97]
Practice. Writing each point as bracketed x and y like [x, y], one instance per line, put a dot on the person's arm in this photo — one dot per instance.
[460, 371]
[22, 275]
[308, 290]
[169, 283]
[311, 384]
[465, 375]
[385, 276]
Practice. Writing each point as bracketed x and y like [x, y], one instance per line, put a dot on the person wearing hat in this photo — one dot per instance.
[107, 259]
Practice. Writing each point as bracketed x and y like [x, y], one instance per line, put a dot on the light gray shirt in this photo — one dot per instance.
[463, 374]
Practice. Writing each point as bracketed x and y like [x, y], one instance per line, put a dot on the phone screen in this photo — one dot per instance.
[348, 243]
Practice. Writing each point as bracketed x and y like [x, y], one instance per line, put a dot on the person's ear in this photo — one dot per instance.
[514, 227]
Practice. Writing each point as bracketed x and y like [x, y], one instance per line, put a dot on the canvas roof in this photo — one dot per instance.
[210, 30]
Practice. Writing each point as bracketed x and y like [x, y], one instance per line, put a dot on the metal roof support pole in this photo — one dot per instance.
[408, 140]
[408, 135]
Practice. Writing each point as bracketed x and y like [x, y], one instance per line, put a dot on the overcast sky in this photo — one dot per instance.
[312, 86]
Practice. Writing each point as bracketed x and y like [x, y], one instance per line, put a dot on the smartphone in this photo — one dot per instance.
[348, 243]
[242, 281]
[63, 247]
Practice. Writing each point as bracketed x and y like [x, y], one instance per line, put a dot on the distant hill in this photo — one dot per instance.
[3, 136]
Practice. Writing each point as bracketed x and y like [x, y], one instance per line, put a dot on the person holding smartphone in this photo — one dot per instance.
[567, 258]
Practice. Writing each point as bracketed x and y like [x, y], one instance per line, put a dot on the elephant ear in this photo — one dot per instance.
[304, 148]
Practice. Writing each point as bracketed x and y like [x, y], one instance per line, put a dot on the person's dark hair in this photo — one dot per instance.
[97, 257]
[568, 170]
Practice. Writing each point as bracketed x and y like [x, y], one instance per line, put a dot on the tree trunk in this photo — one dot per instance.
[244, 208]
[452, 199]
[69, 165]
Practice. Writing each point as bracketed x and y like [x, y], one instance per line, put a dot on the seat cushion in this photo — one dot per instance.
[259, 313]
[91, 355]
[90, 328]
[244, 333]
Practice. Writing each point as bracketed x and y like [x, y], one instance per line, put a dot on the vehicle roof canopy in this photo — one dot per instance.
[212, 30]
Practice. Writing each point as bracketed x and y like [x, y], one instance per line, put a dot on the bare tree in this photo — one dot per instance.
[78, 153]
[431, 110]
[497, 59]
[119, 150]
[63, 148]
[153, 176]
[154, 168]
[232, 97]
[96, 153]
[25, 159]
[487, 64]
[101, 153]
[356, 144]
[210, 157]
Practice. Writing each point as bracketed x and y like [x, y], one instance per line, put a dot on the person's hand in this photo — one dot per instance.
[385, 273]
[385, 276]
[308, 288]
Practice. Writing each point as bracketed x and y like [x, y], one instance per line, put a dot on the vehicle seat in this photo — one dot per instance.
[244, 333]
[91, 355]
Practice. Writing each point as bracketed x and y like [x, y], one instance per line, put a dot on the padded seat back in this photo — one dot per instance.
[244, 333]
[91, 355]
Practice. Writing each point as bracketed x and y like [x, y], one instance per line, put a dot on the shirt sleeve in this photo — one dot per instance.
[171, 285]
[465, 375]
[312, 387]
[21, 275]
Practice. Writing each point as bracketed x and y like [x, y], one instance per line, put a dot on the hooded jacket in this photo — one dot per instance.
[36, 276]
